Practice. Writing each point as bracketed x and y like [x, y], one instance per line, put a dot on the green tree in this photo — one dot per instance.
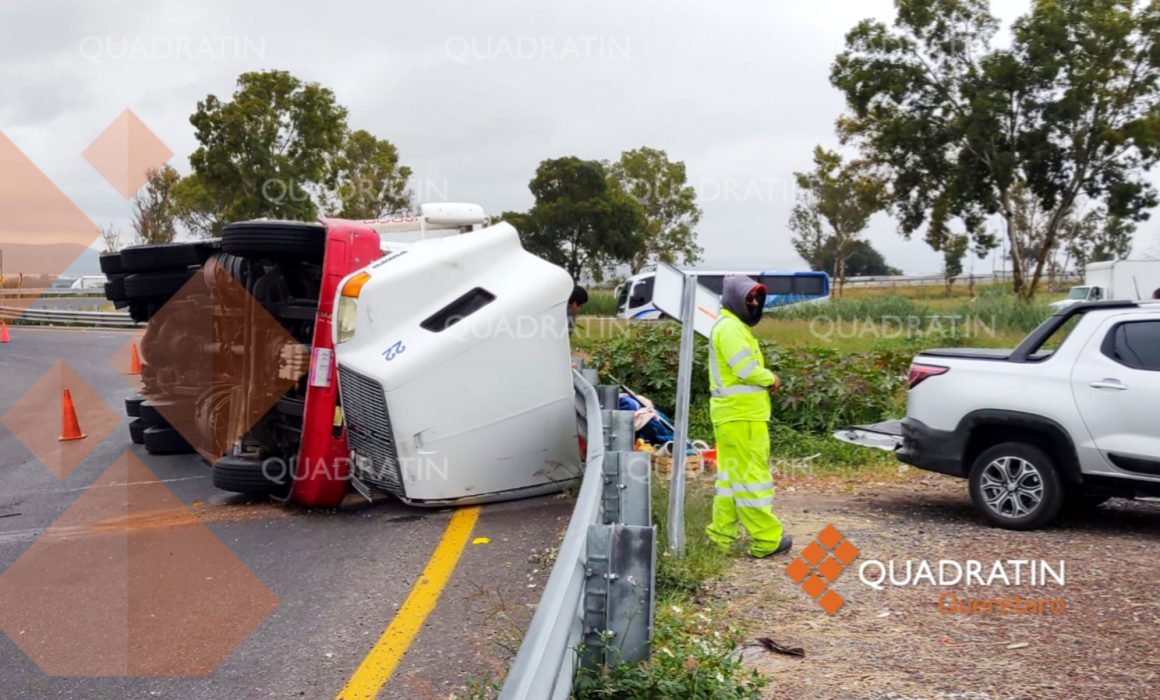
[155, 209]
[268, 151]
[835, 203]
[579, 221]
[369, 180]
[200, 210]
[1069, 109]
[954, 246]
[1098, 237]
[668, 204]
[862, 260]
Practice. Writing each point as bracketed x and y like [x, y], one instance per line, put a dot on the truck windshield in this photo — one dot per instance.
[1080, 293]
[622, 294]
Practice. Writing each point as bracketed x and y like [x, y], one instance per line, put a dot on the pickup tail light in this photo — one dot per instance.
[919, 373]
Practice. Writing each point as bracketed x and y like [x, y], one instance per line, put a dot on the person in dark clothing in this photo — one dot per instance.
[576, 302]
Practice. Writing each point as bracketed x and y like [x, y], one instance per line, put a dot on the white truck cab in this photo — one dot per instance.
[455, 370]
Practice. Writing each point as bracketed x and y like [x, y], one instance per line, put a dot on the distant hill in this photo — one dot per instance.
[41, 259]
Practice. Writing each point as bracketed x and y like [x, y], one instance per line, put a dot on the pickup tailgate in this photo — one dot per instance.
[886, 435]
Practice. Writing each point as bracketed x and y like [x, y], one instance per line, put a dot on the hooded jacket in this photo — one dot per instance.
[738, 379]
[733, 294]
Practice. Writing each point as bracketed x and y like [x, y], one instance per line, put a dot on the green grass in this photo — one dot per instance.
[600, 303]
[703, 562]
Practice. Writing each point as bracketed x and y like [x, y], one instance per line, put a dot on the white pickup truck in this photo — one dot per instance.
[1068, 418]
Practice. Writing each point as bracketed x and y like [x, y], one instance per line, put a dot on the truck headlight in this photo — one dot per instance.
[347, 311]
[348, 305]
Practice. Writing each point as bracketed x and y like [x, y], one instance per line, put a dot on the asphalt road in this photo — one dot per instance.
[127, 579]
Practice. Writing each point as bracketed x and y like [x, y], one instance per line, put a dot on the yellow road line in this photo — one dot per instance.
[376, 669]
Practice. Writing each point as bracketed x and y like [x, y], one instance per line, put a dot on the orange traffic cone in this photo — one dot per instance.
[70, 428]
[3, 332]
[134, 360]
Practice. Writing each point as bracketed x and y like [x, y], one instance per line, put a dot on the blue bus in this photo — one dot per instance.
[634, 298]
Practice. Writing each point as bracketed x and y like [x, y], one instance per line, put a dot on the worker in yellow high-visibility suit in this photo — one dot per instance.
[740, 408]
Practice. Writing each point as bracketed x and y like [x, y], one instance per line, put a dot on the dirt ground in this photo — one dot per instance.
[897, 644]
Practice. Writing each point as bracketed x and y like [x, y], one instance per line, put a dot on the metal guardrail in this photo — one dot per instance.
[99, 319]
[48, 293]
[597, 606]
[931, 280]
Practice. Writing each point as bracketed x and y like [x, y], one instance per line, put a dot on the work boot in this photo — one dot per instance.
[784, 546]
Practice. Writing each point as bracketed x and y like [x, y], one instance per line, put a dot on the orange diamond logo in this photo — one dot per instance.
[820, 564]
[41, 231]
[36, 419]
[129, 582]
[217, 336]
[126, 152]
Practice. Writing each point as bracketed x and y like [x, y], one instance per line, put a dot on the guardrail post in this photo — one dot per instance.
[620, 433]
[619, 594]
[609, 396]
[627, 488]
[590, 375]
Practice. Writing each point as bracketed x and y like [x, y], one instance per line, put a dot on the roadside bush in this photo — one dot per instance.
[821, 388]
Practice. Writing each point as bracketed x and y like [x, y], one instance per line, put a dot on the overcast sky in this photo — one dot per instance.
[474, 94]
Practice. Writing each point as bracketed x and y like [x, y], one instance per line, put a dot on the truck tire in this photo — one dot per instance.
[150, 416]
[111, 263]
[115, 288]
[133, 406]
[1015, 486]
[275, 240]
[247, 475]
[165, 441]
[165, 256]
[137, 431]
[153, 285]
[141, 311]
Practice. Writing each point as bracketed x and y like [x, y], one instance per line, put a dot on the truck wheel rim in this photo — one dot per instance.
[1012, 487]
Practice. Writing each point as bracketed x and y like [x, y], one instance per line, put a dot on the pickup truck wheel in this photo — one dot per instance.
[1015, 485]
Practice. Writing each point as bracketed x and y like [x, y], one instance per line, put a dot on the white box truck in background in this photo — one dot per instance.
[1117, 280]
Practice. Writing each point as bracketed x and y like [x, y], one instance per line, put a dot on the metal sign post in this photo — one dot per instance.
[676, 522]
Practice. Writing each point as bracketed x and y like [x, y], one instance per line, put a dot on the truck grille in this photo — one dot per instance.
[368, 428]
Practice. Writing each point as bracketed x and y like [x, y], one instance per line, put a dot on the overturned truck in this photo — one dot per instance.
[451, 380]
